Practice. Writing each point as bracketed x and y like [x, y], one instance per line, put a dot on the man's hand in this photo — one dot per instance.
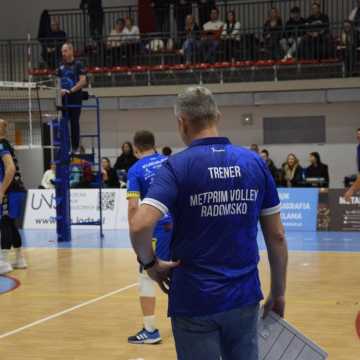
[275, 304]
[349, 194]
[64, 92]
[160, 273]
[1, 196]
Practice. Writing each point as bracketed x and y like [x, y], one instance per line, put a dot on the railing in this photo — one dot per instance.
[155, 54]
[251, 14]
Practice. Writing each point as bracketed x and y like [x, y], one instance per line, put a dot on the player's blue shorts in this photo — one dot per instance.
[162, 238]
[13, 205]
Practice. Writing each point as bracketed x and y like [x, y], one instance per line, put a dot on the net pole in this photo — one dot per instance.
[29, 92]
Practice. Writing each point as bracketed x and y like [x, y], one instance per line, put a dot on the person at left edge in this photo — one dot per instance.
[140, 177]
[73, 79]
[12, 197]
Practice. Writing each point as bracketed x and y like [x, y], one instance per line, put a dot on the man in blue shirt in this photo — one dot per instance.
[140, 176]
[216, 193]
[356, 185]
[73, 79]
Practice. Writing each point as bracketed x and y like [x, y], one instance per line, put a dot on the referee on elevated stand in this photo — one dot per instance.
[216, 193]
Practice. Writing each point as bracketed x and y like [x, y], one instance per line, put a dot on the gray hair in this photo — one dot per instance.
[197, 103]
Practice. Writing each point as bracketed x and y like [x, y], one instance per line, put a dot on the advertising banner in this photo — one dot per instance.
[336, 214]
[299, 208]
[40, 212]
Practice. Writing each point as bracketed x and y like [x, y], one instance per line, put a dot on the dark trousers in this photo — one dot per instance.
[73, 115]
[96, 22]
[10, 236]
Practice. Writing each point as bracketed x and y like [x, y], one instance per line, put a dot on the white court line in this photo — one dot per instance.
[61, 313]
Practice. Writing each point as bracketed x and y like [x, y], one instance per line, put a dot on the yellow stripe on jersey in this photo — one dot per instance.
[132, 195]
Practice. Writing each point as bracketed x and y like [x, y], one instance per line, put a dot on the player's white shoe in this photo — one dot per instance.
[20, 263]
[5, 267]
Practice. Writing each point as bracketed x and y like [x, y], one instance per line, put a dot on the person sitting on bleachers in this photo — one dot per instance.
[292, 173]
[317, 170]
[231, 35]
[355, 19]
[115, 42]
[127, 158]
[191, 41]
[109, 175]
[293, 34]
[270, 164]
[52, 43]
[131, 40]
[347, 46]
[316, 44]
[211, 37]
[48, 179]
[272, 34]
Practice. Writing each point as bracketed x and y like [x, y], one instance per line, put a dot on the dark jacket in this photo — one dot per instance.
[44, 25]
[297, 180]
[125, 162]
[272, 168]
[318, 24]
[295, 28]
[320, 171]
[113, 180]
[274, 30]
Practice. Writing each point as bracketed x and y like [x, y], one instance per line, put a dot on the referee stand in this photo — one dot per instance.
[63, 158]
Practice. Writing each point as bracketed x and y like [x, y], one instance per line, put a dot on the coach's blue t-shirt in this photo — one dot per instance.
[141, 175]
[69, 74]
[216, 193]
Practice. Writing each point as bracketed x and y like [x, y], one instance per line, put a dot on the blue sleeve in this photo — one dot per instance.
[133, 185]
[164, 190]
[271, 202]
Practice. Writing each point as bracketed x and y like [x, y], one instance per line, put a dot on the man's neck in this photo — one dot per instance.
[69, 61]
[206, 133]
[147, 153]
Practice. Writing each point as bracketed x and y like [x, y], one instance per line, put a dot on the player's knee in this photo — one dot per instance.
[147, 287]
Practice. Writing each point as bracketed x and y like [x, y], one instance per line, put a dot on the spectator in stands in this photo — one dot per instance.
[48, 178]
[347, 46]
[162, 15]
[96, 17]
[272, 33]
[192, 37]
[292, 172]
[166, 151]
[271, 166]
[205, 7]
[115, 41]
[294, 32]
[316, 43]
[355, 187]
[211, 36]
[131, 38]
[52, 43]
[255, 147]
[182, 9]
[355, 19]
[317, 170]
[127, 158]
[110, 178]
[231, 35]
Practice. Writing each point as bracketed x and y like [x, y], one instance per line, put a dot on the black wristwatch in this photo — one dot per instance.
[148, 265]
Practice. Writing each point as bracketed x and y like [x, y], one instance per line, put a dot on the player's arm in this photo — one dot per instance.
[133, 206]
[10, 170]
[80, 84]
[355, 187]
[276, 245]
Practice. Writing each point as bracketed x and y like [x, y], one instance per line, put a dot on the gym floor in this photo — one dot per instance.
[79, 301]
